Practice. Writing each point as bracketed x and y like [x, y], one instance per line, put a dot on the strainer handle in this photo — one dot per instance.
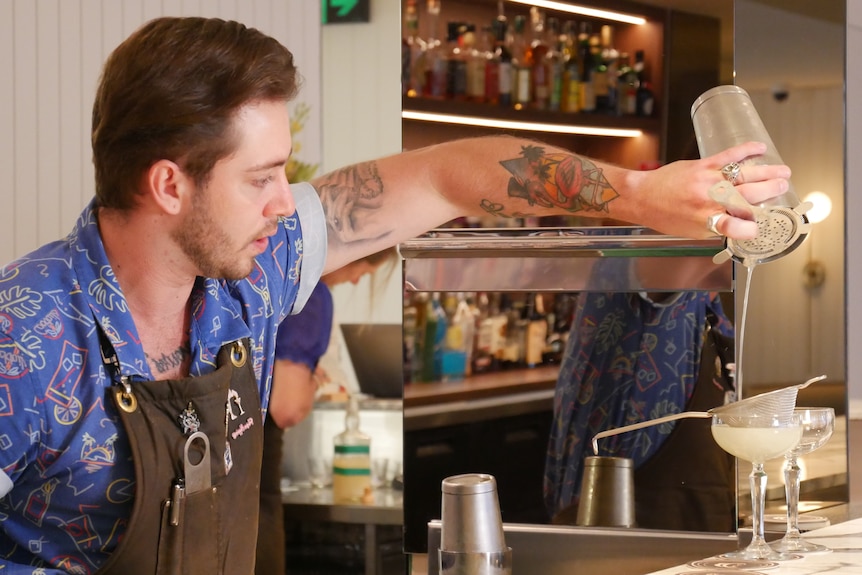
[726, 194]
[642, 424]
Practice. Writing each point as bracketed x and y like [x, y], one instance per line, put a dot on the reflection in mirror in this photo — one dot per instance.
[507, 433]
[795, 325]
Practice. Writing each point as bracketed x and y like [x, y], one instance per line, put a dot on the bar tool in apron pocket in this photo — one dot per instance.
[198, 476]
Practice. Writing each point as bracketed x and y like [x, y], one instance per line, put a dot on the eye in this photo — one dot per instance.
[262, 182]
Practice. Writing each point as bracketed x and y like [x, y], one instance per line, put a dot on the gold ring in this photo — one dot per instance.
[731, 172]
[712, 223]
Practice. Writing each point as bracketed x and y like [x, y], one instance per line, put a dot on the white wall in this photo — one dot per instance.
[790, 333]
[51, 53]
[362, 121]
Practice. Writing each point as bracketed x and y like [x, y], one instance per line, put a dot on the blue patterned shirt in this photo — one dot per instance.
[66, 474]
[627, 360]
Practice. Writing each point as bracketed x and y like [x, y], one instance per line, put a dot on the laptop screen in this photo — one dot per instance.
[376, 353]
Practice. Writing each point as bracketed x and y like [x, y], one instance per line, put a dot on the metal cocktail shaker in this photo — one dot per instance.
[607, 493]
[723, 117]
[471, 535]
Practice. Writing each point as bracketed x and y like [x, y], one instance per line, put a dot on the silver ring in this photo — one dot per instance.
[731, 172]
[712, 223]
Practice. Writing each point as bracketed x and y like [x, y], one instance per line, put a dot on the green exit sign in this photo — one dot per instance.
[340, 11]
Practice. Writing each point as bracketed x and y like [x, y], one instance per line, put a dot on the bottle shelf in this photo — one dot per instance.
[490, 111]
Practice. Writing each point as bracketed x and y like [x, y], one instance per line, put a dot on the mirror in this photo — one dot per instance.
[788, 337]
[796, 319]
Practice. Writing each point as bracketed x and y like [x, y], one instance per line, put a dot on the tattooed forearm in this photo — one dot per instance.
[558, 180]
[351, 199]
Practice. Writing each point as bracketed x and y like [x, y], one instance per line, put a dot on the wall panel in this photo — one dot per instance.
[51, 54]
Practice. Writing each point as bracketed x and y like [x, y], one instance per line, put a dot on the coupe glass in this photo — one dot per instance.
[818, 423]
[756, 439]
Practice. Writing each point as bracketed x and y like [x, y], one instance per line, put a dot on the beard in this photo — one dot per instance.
[207, 245]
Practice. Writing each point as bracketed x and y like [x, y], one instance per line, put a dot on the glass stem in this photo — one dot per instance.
[757, 480]
[791, 483]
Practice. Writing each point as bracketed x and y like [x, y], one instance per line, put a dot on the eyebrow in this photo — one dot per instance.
[272, 164]
[266, 166]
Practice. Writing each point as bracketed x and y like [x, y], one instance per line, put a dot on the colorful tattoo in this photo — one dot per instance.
[557, 180]
[351, 198]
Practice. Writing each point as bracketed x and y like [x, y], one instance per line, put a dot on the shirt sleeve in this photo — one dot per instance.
[313, 222]
[304, 337]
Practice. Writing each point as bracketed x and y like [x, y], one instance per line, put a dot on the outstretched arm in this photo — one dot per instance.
[379, 203]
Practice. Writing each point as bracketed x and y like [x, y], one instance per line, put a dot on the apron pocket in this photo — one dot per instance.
[192, 546]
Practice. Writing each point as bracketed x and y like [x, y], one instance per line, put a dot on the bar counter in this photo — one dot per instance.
[845, 540]
[496, 384]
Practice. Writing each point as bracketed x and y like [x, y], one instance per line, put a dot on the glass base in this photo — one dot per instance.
[798, 545]
[759, 551]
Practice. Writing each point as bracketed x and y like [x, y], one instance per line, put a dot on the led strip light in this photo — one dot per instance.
[518, 125]
[585, 11]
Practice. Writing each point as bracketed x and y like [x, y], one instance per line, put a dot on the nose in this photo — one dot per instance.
[282, 202]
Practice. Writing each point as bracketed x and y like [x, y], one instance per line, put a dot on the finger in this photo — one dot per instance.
[761, 172]
[736, 228]
[737, 153]
[759, 192]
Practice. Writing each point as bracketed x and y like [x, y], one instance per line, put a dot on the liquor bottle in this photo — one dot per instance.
[587, 100]
[538, 50]
[571, 96]
[492, 67]
[503, 53]
[645, 98]
[536, 331]
[415, 312]
[598, 73]
[628, 86]
[610, 57]
[416, 59]
[476, 49]
[435, 57]
[459, 331]
[555, 65]
[456, 62]
[521, 64]
[408, 40]
[435, 333]
[351, 462]
[491, 334]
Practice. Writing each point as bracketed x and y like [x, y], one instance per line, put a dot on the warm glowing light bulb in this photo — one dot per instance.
[822, 207]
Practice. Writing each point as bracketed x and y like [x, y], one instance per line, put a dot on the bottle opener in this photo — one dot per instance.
[197, 475]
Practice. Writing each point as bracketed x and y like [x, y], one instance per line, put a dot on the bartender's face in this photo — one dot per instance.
[233, 214]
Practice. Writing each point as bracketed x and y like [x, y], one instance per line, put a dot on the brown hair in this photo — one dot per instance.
[171, 91]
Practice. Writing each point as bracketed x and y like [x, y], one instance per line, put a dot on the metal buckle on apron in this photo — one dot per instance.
[126, 400]
[238, 354]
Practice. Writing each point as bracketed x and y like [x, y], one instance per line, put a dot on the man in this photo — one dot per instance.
[137, 351]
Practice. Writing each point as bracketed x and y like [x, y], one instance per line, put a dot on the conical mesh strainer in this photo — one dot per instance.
[777, 404]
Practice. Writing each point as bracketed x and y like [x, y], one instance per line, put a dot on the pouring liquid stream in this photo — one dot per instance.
[739, 348]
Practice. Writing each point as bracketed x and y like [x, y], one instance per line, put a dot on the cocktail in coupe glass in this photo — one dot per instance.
[757, 439]
[818, 423]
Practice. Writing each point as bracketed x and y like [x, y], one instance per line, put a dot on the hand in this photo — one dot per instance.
[321, 377]
[679, 193]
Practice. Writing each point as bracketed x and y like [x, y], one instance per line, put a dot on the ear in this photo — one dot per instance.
[168, 186]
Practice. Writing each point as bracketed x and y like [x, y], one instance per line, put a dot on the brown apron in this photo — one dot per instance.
[689, 483]
[186, 523]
